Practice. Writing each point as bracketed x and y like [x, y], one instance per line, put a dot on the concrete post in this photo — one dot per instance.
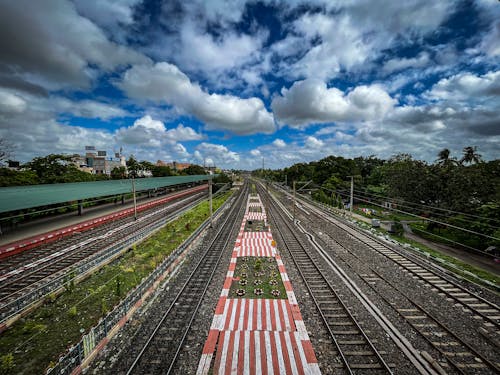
[80, 207]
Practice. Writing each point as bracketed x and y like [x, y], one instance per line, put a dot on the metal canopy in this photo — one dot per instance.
[21, 197]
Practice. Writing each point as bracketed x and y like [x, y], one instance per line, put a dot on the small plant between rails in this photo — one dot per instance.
[35, 342]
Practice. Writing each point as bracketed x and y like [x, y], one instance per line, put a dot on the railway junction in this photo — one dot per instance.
[270, 285]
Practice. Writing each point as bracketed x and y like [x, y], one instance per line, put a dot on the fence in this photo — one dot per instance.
[77, 354]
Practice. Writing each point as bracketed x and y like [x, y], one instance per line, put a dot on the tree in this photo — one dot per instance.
[161, 171]
[444, 159]
[194, 169]
[133, 166]
[118, 173]
[55, 168]
[5, 150]
[470, 156]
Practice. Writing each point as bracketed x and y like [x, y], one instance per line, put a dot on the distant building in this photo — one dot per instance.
[97, 162]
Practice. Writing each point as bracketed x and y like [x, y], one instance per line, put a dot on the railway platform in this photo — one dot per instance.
[257, 327]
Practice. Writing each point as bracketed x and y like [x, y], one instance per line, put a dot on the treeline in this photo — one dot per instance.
[57, 168]
[462, 192]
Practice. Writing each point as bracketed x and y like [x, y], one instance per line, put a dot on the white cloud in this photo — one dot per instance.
[219, 154]
[397, 64]
[86, 108]
[279, 143]
[53, 46]
[310, 101]
[467, 87]
[255, 152]
[183, 133]
[313, 142]
[164, 82]
[10, 103]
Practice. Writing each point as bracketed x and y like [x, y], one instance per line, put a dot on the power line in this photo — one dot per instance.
[439, 214]
[425, 218]
[432, 207]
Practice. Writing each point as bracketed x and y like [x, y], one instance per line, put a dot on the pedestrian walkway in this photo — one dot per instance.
[257, 330]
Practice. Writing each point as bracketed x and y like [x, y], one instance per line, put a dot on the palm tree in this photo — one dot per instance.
[444, 159]
[471, 156]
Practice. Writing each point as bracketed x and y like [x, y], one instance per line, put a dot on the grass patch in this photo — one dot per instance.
[257, 273]
[35, 342]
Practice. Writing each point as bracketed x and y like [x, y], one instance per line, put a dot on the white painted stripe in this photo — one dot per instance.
[259, 314]
[241, 319]
[258, 369]
[291, 298]
[225, 337]
[250, 315]
[233, 314]
[268, 316]
[302, 355]
[291, 354]
[246, 357]
[269, 353]
[279, 351]
[277, 314]
[288, 326]
[236, 347]
[301, 328]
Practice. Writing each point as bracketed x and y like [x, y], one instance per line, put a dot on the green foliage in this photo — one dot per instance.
[72, 312]
[194, 169]
[133, 166]
[7, 364]
[118, 173]
[10, 177]
[162, 171]
[57, 168]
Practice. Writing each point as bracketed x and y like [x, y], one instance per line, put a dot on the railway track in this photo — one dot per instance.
[33, 283]
[438, 280]
[161, 350]
[459, 355]
[356, 351]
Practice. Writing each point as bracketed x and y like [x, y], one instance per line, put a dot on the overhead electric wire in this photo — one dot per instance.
[434, 213]
[421, 217]
[431, 207]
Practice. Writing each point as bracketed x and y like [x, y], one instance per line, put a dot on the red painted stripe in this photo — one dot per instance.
[232, 266]
[263, 356]
[264, 315]
[290, 316]
[241, 354]
[309, 351]
[209, 347]
[273, 315]
[218, 356]
[254, 320]
[282, 269]
[230, 350]
[281, 315]
[229, 313]
[252, 353]
[274, 351]
[245, 314]
[237, 315]
[296, 354]
[219, 310]
[285, 354]
[227, 283]
[288, 286]
[296, 312]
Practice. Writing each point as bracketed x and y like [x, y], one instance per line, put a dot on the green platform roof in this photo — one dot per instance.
[22, 197]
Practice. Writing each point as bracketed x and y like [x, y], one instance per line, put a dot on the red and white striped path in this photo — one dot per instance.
[256, 216]
[257, 336]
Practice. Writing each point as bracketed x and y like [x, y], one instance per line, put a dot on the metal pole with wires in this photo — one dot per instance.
[135, 201]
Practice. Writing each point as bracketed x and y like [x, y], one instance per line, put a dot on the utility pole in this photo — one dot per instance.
[352, 193]
[210, 200]
[294, 201]
[135, 201]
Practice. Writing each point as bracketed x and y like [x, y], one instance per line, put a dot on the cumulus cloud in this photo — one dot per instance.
[219, 154]
[310, 101]
[11, 103]
[279, 143]
[314, 142]
[147, 130]
[53, 46]
[397, 64]
[163, 82]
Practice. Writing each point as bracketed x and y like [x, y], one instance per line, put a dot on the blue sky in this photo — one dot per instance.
[232, 82]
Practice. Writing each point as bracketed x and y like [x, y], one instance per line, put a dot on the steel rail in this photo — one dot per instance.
[211, 251]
